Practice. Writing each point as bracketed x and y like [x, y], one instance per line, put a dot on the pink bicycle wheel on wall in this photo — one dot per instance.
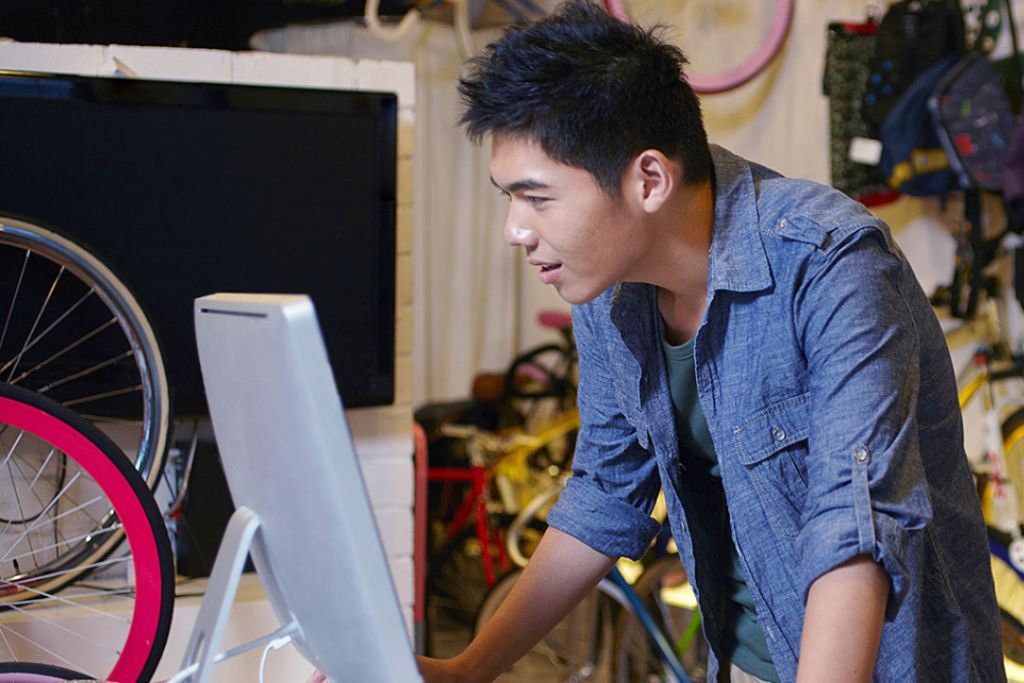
[71, 594]
[727, 42]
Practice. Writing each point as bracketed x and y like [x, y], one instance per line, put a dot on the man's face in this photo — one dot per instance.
[580, 239]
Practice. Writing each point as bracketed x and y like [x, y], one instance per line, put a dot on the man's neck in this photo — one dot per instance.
[682, 266]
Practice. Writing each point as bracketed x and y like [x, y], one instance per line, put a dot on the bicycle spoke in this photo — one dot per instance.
[17, 500]
[40, 646]
[105, 394]
[39, 618]
[53, 519]
[70, 347]
[87, 371]
[10, 452]
[32, 527]
[95, 593]
[92, 533]
[42, 468]
[109, 419]
[35, 324]
[21, 464]
[14, 298]
[7, 643]
[51, 597]
[58, 534]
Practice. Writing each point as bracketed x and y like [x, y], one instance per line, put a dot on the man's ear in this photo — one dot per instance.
[652, 177]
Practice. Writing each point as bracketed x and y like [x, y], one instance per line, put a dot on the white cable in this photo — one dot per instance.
[371, 13]
[280, 637]
[276, 644]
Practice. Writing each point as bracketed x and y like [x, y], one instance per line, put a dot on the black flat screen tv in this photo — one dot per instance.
[185, 189]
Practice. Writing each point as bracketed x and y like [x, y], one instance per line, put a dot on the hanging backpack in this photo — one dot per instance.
[913, 160]
[974, 121]
[912, 36]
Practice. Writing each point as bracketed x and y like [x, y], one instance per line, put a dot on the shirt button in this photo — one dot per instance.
[778, 433]
[861, 454]
[783, 223]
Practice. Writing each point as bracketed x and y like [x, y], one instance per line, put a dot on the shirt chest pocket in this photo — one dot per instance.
[771, 446]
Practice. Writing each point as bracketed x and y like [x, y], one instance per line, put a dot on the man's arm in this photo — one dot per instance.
[561, 572]
[843, 623]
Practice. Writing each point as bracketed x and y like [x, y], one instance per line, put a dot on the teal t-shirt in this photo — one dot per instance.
[749, 651]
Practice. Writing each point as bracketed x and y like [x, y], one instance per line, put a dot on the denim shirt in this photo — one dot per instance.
[831, 401]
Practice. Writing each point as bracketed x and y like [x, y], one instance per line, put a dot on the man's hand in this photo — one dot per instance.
[561, 571]
[440, 670]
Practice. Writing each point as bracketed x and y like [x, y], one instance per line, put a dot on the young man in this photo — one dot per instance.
[756, 346]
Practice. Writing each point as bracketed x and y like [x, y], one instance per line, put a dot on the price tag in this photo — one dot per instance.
[865, 151]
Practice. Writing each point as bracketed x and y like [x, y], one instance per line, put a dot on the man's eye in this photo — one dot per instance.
[536, 201]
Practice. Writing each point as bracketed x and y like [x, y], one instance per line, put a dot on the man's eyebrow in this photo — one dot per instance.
[521, 185]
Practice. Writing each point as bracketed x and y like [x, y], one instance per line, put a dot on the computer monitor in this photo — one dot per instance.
[288, 456]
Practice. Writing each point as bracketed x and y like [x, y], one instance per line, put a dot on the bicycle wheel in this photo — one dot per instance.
[74, 496]
[727, 42]
[1013, 453]
[666, 590]
[30, 672]
[541, 385]
[70, 330]
[576, 649]
[456, 584]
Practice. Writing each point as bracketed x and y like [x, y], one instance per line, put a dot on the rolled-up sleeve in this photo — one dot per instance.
[608, 499]
[867, 492]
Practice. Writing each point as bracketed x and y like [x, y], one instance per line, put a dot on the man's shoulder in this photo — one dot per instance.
[805, 211]
[792, 209]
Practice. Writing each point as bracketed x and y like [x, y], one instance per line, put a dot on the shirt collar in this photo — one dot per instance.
[737, 260]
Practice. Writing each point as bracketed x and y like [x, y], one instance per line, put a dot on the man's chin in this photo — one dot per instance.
[574, 296]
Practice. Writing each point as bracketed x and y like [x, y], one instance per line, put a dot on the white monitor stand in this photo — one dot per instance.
[302, 508]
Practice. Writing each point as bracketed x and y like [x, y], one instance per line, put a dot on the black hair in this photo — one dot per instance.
[591, 90]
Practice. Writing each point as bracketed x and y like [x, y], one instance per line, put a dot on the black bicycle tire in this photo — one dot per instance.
[56, 673]
[561, 387]
[155, 528]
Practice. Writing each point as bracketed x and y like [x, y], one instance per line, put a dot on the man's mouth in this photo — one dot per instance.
[549, 267]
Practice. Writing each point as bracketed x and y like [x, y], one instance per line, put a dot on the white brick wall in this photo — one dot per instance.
[383, 435]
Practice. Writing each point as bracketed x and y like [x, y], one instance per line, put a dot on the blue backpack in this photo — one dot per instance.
[913, 159]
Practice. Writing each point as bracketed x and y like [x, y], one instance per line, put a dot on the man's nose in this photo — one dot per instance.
[516, 233]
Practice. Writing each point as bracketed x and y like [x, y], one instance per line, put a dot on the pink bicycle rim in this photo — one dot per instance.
[129, 511]
[733, 78]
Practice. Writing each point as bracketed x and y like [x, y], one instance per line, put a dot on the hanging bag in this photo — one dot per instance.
[848, 51]
[913, 160]
[974, 121]
[912, 37]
